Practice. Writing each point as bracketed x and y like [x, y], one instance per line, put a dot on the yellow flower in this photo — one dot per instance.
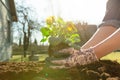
[69, 29]
[70, 26]
[50, 20]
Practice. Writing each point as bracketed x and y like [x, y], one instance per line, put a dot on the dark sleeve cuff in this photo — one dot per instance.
[114, 23]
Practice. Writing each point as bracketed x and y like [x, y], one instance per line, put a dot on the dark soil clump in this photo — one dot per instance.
[102, 70]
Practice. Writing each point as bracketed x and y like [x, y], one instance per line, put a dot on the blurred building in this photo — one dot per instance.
[7, 17]
[85, 31]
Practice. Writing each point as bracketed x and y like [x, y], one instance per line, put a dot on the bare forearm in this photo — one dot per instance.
[101, 34]
[108, 45]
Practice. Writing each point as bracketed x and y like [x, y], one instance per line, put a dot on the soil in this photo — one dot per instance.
[102, 70]
[19, 70]
[55, 48]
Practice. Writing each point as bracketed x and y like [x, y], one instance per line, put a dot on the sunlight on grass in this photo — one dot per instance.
[42, 57]
[18, 58]
[115, 56]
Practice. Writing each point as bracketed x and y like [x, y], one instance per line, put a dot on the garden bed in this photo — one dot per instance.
[19, 70]
[103, 70]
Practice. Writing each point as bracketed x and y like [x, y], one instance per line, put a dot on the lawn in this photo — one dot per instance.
[18, 58]
[115, 56]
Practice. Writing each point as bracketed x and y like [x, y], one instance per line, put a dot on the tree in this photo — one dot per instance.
[20, 41]
[27, 24]
[35, 42]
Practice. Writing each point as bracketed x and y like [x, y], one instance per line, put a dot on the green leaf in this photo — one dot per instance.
[73, 39]
[60, 20]
[75, 35]
[45, 31]
[44, 40]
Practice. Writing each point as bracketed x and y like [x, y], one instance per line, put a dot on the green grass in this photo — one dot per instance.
[114, 56]
[18, 58]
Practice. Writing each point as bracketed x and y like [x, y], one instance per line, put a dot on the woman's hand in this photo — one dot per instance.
[77, 58]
